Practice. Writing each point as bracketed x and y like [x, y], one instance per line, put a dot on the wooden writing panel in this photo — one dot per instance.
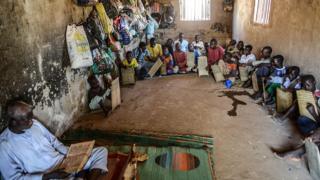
[284, 100]
[157, 65]
[128, 76]
[115, 93]
[218, 76]
[202, 65]
[304, 97]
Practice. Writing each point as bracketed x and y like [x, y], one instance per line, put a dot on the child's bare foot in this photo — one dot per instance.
[278, 118]
[287, 158]
[293, 155]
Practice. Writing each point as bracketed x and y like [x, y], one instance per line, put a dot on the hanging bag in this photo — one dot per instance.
[78, 47]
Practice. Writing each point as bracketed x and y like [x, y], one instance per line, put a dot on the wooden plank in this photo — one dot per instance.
[202, 66]
[255, 82]
[313, 158]
[190, 60]
[304, 97]
[244, 74]
[284, 100]
[157, 65]
[218, 76]
[163, 70]
[115, 94]
[77, 157]
[128, 76]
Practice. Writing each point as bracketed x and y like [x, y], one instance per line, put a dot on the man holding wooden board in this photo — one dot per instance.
[29, 151]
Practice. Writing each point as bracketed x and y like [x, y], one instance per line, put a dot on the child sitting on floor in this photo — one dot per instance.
[306, 125]
[240, 47]
[142, 55]
[276, 78]
[167, 60]
[231, 47]
[180, 58]
[247, 57]
[292, 81]
[130, 62]
[263, 67]
[215, 53]
[98, 97]
[227, 66]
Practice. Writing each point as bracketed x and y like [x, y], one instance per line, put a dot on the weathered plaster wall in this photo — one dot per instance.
[34, 60]
[294, 31]
[190, 28]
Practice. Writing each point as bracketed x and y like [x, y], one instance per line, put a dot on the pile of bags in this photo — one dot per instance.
[106, 35]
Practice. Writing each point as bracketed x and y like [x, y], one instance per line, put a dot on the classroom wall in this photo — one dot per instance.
[34, 61]
[190, 28]
[293, 32]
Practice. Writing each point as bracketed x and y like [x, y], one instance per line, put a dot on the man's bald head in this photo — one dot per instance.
[20, 115]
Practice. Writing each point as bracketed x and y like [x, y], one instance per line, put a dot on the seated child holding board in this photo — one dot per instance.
[180, 58]
[167, 60]
[130, 69]
[276, 78]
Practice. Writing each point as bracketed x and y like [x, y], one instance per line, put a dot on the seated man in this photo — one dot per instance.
[198, 45]
[155, 51]
[263, 67]
[142, 55]
[184, 44]
[29, 151]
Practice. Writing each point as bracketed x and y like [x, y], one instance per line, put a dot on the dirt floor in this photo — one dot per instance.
[192, 105]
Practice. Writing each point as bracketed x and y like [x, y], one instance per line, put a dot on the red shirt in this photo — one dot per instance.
[181, 59]
[214, 55]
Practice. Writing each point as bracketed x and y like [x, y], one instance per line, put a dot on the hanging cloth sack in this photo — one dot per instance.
[104, 19]
[78, 47]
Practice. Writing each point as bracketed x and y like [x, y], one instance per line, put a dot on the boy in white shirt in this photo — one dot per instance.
[247, 57]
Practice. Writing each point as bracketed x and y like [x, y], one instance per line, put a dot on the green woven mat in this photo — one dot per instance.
[155, 144]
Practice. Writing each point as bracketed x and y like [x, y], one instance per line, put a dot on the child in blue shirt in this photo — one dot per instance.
[276, 78]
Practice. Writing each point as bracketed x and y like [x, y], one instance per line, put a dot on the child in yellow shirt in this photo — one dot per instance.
[130, 61]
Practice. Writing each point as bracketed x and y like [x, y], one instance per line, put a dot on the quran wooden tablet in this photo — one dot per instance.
[155, 68]
[128, 76]
[115, 93]
[163, 69]
[218, 76]
[77, 157]
[244, 75]
[190, 59]
[255, 82]
[284, 100]
[202, 65]
[304, 97]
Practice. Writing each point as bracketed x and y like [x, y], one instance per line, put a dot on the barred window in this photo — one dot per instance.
[195, 10]
[262, 10]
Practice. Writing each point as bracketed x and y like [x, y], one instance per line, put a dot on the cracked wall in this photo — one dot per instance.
[35, 63]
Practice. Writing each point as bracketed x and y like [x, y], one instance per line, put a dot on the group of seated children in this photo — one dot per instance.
[173, 55]
[271, 77]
